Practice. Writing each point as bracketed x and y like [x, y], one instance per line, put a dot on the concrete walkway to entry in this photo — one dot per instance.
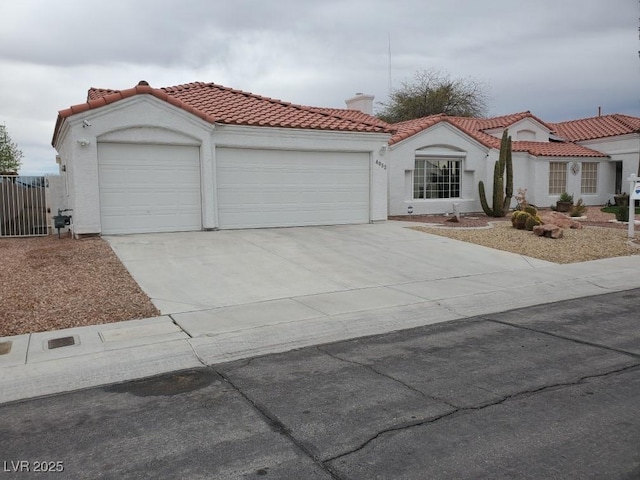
[235, 294]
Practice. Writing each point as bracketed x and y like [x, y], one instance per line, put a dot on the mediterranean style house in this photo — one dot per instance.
[439, 160]
[201, 156]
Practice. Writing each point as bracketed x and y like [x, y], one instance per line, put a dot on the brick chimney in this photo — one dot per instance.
[361, 102]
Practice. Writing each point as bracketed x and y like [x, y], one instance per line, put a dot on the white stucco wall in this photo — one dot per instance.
[146, 119]
[625, 149]
[439, 138]
[139, 119]
[528, 126]
[524, 175]
[529, 171]
[538, 190]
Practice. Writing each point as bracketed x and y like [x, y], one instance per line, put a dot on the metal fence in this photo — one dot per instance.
[23, 206]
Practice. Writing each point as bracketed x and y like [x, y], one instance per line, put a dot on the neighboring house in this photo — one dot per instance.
[437, 161]
[202, 156]
[616, 135]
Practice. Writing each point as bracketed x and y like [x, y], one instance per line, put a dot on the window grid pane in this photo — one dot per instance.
[418, 180]
[434, 178]
[557, 178]
[589, 181]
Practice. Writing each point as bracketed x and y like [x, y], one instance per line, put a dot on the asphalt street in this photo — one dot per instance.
[544, 392]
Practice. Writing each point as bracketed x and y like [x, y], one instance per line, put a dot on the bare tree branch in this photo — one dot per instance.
[433, 92]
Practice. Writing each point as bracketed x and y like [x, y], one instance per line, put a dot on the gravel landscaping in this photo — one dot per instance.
[49, 283]
[589, 243]
[600, 237]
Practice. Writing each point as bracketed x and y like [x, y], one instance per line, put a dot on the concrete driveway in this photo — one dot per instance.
[229, 280]
[237, 294]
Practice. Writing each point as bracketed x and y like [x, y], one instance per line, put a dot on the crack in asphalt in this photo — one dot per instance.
[390, 377]
[274, 422]
[277, 425]
[513, 396]
[562, 337]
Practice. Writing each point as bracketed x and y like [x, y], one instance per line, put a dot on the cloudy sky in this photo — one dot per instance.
[559, 59]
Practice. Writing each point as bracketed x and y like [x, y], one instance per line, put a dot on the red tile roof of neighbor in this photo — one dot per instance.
[597, 127]
[476, 129]
[217, 104]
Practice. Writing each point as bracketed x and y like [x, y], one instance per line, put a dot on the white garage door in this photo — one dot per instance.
[149, 188]
[273, 188]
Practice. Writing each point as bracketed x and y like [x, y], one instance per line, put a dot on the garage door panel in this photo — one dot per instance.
[149, 188]
[259, 188]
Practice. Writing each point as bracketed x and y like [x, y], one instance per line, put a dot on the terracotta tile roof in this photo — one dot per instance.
[597, 127]
[508, 120]
[554, 149]
[409, 128]
[475, 128]
[95, 93]
[356, 115]
[217, 104]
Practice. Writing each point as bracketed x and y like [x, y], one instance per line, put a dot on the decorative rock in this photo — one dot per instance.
[548, 230]
[560, 219]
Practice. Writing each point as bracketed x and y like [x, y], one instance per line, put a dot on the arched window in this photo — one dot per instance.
[437, 174]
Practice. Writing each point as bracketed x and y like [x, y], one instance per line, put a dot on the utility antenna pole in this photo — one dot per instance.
[390, 84]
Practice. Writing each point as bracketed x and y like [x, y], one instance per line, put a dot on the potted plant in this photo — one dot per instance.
[564, 203]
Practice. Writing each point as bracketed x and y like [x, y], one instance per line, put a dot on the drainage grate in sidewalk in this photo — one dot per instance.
[60, 342]
[5, 347]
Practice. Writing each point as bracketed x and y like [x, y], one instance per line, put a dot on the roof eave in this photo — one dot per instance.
[56, 131]
[463, 131]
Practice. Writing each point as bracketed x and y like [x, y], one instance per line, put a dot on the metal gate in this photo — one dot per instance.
[23, 206]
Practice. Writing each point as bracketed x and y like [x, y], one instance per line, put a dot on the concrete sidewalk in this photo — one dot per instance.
[317, 305]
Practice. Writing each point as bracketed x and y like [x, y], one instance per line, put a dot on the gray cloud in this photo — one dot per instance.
[561, 60]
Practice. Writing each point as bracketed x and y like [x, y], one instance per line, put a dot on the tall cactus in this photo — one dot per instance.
[501, 200]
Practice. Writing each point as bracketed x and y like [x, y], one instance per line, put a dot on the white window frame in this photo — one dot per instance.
[589, 178]
[448, 161]
[557, 186]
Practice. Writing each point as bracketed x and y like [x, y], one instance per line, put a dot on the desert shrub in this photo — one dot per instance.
[532, 221]
[521, 199]
[578, 209]
[519, 219]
